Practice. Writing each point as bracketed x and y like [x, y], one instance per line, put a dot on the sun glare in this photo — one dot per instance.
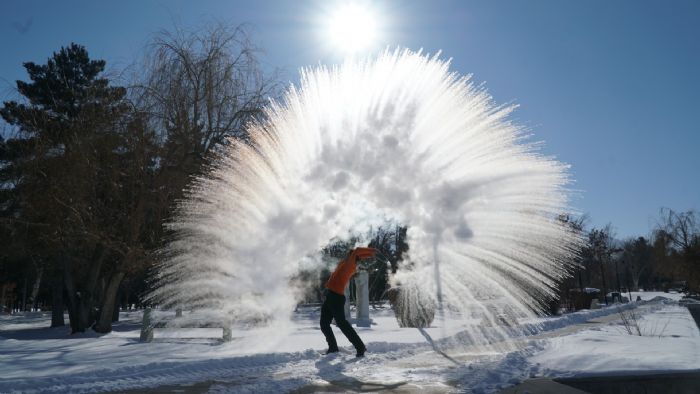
[352, 28]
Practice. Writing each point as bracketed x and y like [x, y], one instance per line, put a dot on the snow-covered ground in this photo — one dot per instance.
[34, 358]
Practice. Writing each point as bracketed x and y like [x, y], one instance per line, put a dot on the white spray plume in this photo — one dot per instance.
[397, 137]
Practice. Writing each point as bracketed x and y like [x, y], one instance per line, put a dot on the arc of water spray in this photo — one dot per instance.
[438, 295]
[397, 137]
[438, 282]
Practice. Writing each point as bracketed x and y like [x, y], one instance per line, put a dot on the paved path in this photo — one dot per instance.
[694, 310]
[660, 383]
[664, 383]
[542, 386]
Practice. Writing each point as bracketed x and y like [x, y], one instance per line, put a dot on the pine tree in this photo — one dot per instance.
[67, 134]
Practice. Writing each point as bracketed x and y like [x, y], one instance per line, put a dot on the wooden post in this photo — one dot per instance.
[228, 336]
[146, 327]
[362, 299]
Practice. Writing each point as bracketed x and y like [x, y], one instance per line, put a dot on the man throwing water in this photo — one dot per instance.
[334, 304]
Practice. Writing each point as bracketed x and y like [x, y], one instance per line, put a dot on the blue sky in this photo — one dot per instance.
[611, 87]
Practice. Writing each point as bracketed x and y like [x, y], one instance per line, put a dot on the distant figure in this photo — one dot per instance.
[333, 305]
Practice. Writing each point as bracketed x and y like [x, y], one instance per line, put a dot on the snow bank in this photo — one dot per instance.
[670, 341]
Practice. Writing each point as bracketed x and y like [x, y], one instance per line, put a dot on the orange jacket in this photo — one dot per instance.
[346, 268]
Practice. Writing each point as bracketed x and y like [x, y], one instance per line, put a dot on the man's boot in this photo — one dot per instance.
[361, 351]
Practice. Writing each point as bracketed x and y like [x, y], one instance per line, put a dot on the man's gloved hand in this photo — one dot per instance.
[364, 253]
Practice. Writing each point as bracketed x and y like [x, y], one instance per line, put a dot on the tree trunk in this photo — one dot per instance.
[75, 309]
[57, 302]
[35, 288]
[2, 298]
[89, 300]
[24, 294]
[115, 312]
[104, 324]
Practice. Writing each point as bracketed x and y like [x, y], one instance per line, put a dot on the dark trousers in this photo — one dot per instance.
[334, 308]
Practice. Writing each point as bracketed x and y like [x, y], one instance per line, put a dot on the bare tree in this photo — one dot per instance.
[682, 228]
[678, 235]
[197, 88]
[598, 252]
[200, 87]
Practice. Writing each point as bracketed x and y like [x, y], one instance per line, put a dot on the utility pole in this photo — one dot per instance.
[602, 275]
[617, 272]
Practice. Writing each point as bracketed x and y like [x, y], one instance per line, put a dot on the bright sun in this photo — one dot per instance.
[352, 28]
